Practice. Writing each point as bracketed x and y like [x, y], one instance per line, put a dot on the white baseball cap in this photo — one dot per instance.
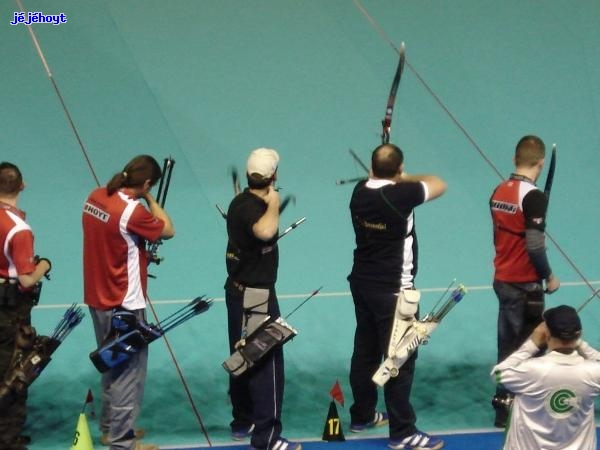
[262, 161]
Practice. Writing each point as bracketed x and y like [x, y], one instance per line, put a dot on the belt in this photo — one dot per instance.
[240, 287]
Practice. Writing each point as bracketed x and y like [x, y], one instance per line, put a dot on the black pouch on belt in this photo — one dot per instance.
[534, 306]
[8, 293]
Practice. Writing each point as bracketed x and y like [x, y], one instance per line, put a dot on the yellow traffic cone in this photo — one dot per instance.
[82, 439]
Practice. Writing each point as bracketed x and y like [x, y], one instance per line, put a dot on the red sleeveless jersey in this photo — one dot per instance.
[512, 263]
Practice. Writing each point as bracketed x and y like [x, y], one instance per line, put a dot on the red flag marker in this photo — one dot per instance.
[89, 399]
[336, 393]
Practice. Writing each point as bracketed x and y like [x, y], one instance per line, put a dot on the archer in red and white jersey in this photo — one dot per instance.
[521, 265]
[20, 271]
[116, 227]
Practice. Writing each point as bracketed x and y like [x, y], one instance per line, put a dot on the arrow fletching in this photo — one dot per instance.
[201, 305]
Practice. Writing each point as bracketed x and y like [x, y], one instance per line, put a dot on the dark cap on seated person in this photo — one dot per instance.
[563, 322]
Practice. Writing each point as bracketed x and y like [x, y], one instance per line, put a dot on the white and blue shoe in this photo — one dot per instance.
[380, 419]
[416, 441]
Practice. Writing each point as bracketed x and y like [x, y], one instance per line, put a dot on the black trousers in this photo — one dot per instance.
[520, 308]
[256, 395]
[12, 418]
[375, 307]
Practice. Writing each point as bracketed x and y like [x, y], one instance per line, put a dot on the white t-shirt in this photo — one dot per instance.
[553, 408]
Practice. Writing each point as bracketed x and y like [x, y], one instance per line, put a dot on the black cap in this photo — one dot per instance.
[563, 322]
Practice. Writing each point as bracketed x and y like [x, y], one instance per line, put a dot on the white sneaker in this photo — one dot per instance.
[417, 441]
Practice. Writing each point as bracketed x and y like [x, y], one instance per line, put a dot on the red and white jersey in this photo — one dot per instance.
[16, 238]
[553, 408]
[115, 231]
[512, 263]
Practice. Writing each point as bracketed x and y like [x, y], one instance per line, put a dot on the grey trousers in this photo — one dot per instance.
[122, 388]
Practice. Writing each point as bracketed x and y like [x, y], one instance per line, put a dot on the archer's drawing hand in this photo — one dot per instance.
[272, 197]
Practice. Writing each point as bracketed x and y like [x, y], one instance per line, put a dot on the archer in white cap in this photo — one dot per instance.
[252, 260]
[262, 165]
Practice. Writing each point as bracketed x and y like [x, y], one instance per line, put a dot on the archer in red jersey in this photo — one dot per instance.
[116, 227]
[522, 271]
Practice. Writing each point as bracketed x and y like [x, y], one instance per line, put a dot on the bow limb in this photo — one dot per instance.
[386, 123]
[550, 175]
